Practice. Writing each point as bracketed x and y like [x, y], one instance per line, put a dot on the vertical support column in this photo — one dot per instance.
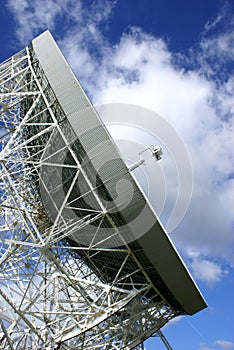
[164, 340]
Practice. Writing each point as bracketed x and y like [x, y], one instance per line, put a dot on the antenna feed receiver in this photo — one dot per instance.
[156, 152]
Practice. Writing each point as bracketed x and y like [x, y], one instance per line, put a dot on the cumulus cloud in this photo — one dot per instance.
[197, 101]
[140, 70]
[34, 17]
[221, 46]
[225, 344]
[204, 347]
[218, 344]
[207, 271]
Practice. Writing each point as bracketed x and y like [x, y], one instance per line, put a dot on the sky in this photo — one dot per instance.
[175, 58]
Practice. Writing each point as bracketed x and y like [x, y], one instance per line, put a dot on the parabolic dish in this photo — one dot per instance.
[104, 185]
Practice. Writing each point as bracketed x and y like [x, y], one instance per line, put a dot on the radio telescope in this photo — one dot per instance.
[85, 263]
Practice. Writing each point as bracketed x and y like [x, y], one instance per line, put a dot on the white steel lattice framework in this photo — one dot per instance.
[55, 293]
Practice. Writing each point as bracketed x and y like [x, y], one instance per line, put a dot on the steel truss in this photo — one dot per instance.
[50, 297]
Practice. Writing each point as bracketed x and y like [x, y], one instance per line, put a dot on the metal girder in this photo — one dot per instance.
[50, 298]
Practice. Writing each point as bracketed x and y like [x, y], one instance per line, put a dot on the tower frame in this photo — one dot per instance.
[54, 293]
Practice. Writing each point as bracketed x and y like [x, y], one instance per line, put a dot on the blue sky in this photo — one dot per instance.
[174, 57]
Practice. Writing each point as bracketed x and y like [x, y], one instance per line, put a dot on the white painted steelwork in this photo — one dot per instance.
[56, 293]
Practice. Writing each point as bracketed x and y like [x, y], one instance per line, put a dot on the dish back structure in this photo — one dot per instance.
[77, 272]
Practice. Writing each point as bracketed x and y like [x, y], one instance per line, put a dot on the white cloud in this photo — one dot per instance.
[218, 344]
[218, 36]
[207, 271]
[33, 16]
[173, 321]
[139, 70]
[212, 23]
[225, 344]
